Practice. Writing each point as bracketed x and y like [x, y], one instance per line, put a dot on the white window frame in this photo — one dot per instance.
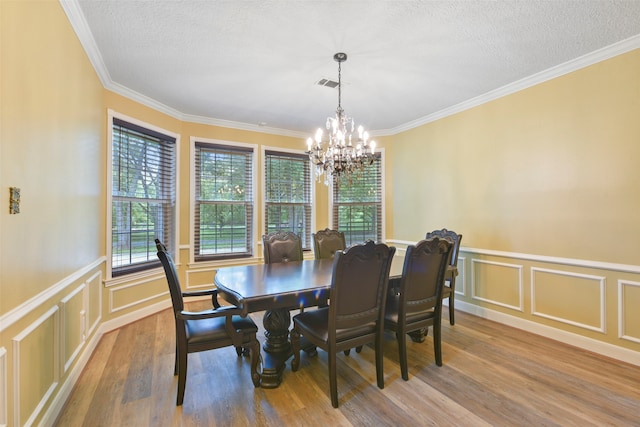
[263, 202]
[111, 114]
[192, 181]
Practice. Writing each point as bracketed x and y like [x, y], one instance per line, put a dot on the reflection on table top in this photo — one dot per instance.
[260, 287]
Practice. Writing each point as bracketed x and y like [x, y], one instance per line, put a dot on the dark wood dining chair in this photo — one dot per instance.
[356, 314]
[326, 242]
[281, 246]
[221, 326]
[419, 302]
[452, 270]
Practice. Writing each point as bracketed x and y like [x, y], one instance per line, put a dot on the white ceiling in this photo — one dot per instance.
[253, 64]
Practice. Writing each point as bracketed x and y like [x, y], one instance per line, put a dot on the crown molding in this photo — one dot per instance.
[594, 57]
[80, 26]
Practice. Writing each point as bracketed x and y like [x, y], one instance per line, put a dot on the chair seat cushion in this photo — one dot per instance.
[206, 330]
[391, 312]
[314, 325]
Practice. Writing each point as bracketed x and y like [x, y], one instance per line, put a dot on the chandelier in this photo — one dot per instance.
[344, 152]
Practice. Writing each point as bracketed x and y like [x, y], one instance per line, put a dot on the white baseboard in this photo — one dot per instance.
[605, 349]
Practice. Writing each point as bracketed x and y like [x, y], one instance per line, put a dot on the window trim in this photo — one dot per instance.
[192, 188]
[263, 171]
[173, 246]
[383, 197]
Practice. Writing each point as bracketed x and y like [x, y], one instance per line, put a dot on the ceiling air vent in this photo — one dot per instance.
[328, 83]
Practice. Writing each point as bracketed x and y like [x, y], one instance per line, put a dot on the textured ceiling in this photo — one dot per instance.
[254, 64]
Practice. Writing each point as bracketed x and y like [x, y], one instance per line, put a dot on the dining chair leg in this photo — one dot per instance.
[402, 353]
[182, 375]
[380, 359]
[437, 340]
[452, 319]
[333, 379]
[175, 363]
[294, 337]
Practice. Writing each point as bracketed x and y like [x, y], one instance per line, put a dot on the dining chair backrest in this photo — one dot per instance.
[423, 277]
[419, 303]
[326, 242]
[449, 291]
[172, 277]
[454, 237]
[281, 246]
[359, 286]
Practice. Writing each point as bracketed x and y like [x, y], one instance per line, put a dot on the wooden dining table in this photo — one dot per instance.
[276, 289]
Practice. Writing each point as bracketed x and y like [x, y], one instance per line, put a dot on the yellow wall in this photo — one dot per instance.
[52, 122]
[51, 253]
[544, 187]
[543, 184]
[551, 170]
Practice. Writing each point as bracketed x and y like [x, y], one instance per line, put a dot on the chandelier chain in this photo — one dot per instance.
[340, 86]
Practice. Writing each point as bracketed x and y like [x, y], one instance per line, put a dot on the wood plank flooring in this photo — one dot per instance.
[492, 375]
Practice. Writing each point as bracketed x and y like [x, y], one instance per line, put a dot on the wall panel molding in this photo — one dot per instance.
[113, 308]
[53, 313]
[65, 321]
[461, 287]
[190, 286]
[626, 268]
[28, 306]
[476, 263]
[600, 281]
[622, 329]
[93, 290]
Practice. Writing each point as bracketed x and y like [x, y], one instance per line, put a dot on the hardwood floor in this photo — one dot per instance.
[492, 375]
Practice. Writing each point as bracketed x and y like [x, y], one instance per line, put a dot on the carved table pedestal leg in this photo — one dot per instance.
[419, 336]
[277, 346]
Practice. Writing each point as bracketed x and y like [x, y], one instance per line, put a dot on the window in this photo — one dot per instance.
[357, 205]
[288, 194]
[142, 195]
[223, 201]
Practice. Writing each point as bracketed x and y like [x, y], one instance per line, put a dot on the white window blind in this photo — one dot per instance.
[357, 204]
[288, 194]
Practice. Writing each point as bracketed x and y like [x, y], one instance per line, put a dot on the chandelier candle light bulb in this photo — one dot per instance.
[337, 158]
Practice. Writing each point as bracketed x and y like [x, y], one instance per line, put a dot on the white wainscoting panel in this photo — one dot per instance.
[461, 287]
[628, 297]
[72, 310]
[480, 289]
[93, 303]
[576, 284]
[115, 306]
[45, 357]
